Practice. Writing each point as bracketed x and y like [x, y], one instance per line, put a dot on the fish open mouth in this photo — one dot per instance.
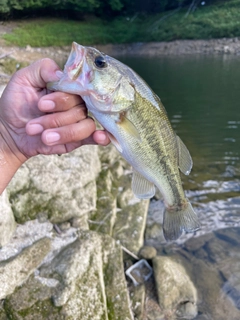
[76, 74]
[74, 64]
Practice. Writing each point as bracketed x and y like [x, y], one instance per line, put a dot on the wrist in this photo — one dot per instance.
[10, 157]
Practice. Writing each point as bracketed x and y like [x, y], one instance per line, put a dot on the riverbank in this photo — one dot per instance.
[220, 19]
[11, 57]
[178, 47]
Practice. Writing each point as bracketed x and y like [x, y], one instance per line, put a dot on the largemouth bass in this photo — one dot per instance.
[138, 126]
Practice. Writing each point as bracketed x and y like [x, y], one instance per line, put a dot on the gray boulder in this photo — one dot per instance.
[7, 222]
[15, 271]
[176, 292]
[62, 187]
[85, 280]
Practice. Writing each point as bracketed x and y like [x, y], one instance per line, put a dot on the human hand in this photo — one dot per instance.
[41, 123]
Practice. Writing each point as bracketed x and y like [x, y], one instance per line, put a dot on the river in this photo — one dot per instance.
[202, 97]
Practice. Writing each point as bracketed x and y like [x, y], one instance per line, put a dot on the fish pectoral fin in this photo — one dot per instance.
[175, 222]
[184, 158]
[128, 126]
[141, 187]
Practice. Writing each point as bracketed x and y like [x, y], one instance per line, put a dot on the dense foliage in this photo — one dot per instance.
[205, 22]
[76, 8]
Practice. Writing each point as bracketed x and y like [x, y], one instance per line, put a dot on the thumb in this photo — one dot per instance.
[39, 73]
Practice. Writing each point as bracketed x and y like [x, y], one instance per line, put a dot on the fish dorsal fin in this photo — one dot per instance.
[184, 158]
[141, 187]
[128, 126]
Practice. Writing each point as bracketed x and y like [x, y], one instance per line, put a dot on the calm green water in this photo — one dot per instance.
[202, 98]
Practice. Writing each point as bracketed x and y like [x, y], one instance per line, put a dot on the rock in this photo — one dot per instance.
[7, 222]
[90, 288]
[137, 297]
[174, 286]
[154, 230]
[130, 225]
[119, 213]
[72, 272]
[15, 271]
[29, 48]
[35, 187]
[187, 310]
[80, 222]
[215, 270]
[31, 300]
[84, 280]
[103, 218]
[25, 236]
[64, 226]
[147, 252]
[195, 244]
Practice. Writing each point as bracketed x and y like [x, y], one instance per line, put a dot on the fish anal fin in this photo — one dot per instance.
[184, 158]
[128, 126]
[175, 222]
[141, 187]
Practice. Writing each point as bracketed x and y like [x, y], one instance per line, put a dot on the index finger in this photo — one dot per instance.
[59, 101]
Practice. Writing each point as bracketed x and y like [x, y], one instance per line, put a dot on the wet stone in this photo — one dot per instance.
[187, 310]
[147, 252]
[174, 286]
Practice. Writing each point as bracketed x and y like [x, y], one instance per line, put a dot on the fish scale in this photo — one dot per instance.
[138, 126]
[158, 140]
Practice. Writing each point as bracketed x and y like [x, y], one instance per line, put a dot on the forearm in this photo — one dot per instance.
[10, 158]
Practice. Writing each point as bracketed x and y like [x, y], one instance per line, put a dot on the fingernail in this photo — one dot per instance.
[35, 128]
[52, 137]
[59, 73]
[47, 105]
[102, 136]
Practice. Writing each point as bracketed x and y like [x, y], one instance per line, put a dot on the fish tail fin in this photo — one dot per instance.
[175, 222]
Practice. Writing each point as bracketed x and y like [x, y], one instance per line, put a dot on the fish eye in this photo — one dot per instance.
[100, 62]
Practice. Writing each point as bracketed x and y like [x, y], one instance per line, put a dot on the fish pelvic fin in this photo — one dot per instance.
[175, 222]
[141, 187]
[115, 142]
[184, 158]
